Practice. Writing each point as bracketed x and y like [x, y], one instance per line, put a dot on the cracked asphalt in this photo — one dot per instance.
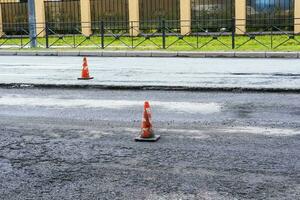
[78, 144]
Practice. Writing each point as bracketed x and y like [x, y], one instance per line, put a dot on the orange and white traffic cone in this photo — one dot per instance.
[85, 75]
[147, 134]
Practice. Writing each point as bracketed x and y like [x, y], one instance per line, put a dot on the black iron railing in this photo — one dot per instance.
[232, 34]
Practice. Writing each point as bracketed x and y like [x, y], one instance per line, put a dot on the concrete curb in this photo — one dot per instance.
[8, 53]
[219, 55]
[27, 53]
[68, 53]
[250, 54]
[138, 53]
[47, 53]
[191, 54]
[163, 54]
[282, 55]
[185, 54]
[150, 88]
[114, 54]
[91, 53]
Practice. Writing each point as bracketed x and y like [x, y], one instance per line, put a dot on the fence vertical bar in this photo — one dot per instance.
[198, 28]
[272, 38]
[233, 33]
[47, 35]
[131, 33]
[163, 34]
[74, 36]
[197, 40]
[102, 34]
[19, 29]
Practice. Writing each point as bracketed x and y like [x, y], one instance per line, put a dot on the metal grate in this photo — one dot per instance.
[264, 14]
[114, 13]
[14, 17]
[154, 11]
[212, 15]
[63, 16]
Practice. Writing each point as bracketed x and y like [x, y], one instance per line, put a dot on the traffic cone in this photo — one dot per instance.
[147, 134]
[85, 75]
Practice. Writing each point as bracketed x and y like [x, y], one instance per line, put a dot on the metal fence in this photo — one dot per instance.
[107, 37]
[262, 14]
[14, 17]
[212, 14]
[269, 25]
[63, 16]
[113, 13]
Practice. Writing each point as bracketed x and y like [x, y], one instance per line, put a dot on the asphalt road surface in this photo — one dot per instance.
[187, 72]
[78, 144]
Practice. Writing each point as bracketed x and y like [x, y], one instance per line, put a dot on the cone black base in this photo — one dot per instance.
[153, 139]
[85, 78]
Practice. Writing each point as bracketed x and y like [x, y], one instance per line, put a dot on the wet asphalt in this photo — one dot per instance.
[78, 144]
[167, 72]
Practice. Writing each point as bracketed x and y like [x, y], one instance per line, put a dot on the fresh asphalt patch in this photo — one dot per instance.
[79, 144]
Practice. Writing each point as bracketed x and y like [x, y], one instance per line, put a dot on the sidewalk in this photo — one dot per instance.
[192, 54]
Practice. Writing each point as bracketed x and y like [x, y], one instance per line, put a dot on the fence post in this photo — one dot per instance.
[134, 17]
[40, 18]
[297, 17]
[240, 17]
[102, 31]
[233, 25]
[163, 27]
[185, 17]
[32, 23]
[47, 35]
[86, 25]
[1, 22]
